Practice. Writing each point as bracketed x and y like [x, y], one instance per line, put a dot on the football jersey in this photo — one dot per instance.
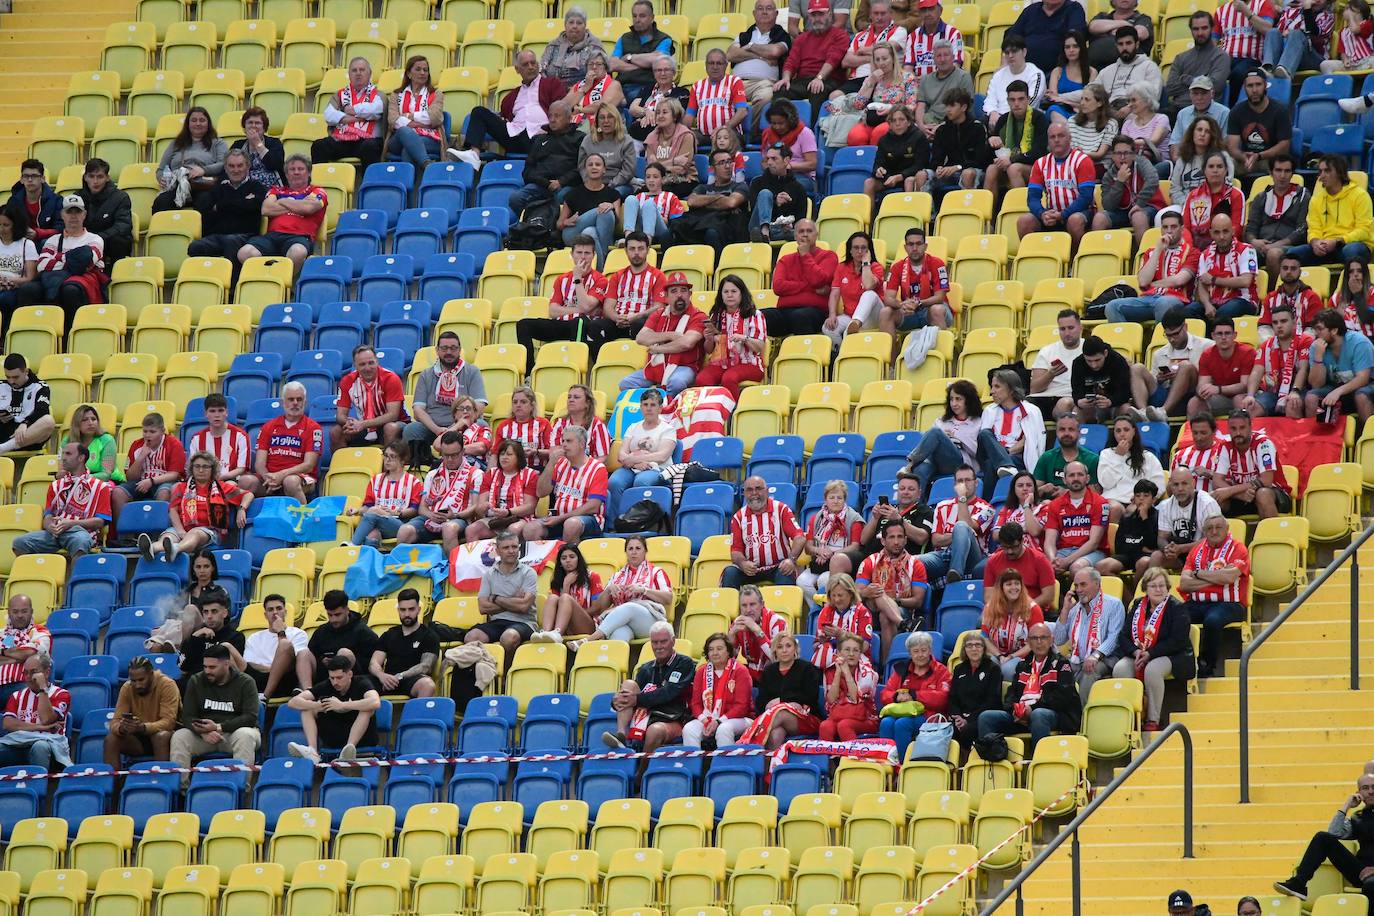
[1060, 178]
[230, 448]
[1281, 363]
[287, 443]
[1236, 35]
[1075, 521]
[764, 538]
[574, 486]
[24, 706]
[597, 285]
[1242, 465]
[979, 510]
[394, 495]
[169, 457]
[1239, 259]
[636, 293]
[1175, 260]
[1229, 554]
[1305, 304]
[920, 48]
[1202, 461]
[78, 496]
[714, 103]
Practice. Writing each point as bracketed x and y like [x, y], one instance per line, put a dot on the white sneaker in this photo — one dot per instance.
[553, 636]
[1156, 414]
[1007, 470]
[1136, 414]
[539, 636]
[349, 752]
[1358, 105]
[347, 757]
[304, 751]
[470, 156]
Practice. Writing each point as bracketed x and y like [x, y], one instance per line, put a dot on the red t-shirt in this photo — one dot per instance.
[294, 223]
[1227, 371]
[1034, 567]
[1075, 522]
[287, 443]
[372, 397]
[168, 458]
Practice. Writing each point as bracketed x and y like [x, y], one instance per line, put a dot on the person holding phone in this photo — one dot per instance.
[145, 715]
[1357, 868]
[219, 713]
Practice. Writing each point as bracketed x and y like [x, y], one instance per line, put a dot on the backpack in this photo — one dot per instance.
[645, 515]
[534, 234]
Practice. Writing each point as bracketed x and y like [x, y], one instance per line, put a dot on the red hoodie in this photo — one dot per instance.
[932, 690]
[804, 281]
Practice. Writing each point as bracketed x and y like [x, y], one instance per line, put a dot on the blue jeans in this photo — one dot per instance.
[962, 553]
[75, 541]
[901, 729]
[1001, 722]
[385, 526]
[734, 577]
[807, 182]
[1345, 255]
[1142, 308]
[991, 456]
[678, 381]
[621, 480]
[1229, 308]
[763, 209]
[526, 197]
[645, 216]
[408, 146]
[935, 456]
[600, 226]
[1292, 52]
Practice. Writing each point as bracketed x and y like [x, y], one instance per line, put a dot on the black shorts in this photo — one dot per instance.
[407, 685]
[277, 244]
[284, 686]
[495, 628]
[1283, 501]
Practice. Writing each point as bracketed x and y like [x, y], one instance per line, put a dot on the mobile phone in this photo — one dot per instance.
[883, 501]
[127, 715]
[1057, 363]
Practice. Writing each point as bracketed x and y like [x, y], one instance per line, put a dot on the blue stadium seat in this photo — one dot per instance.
[74, 800]
[446, 275]
[386, 187]
[966, 591]
[775, 458]
[447, 185]
[941, 488]
[385, 277]
[426, 726]
[404, 324]
[129, 630]
[836, 455]
[661, 495]
[96, 580]
[479, 242]
[601, 718]
[550, 722]
[153, 580]
[74, 631]
[148, 516]
[325, 278]
[878, 488]
[806, 644]
[317, 370]
[167, 663]
[488, 725]
[339, 793]
[286, 728]
[670, 777]
[21, 798]
[730, 777]
[473, 783]
[1280, 90]
[1341, 140]
[407, 786]
[538, 781]
[1155, 437]
[90, 744]
[283, 782]
[251, 377]
[606, 778]
[784, 493]
[359, 236]
[704, 511]
[284, 329]
[851, 166]
[504, 172]
[342, 326]
[1093, 436]
[494, 219]
[955, 620]
[420, 232]
[800, 775]
[889, 453]
[720, 453]
[211, 793]
[148, 790]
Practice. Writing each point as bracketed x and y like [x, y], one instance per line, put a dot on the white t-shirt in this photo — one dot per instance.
[1177, 521]
[15, 255]
[754, 69]
[1168, 356]
[261, 647]
[639, 439]
[1060, 385]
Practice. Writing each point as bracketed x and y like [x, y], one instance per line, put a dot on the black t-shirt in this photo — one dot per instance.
[403, 652]
[580, 199]
[918, 515]
[1259, 130]
[193, 648]
[1136, 536]
[334, 726]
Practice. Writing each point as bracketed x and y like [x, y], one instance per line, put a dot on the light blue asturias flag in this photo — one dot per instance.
[375, 573]
[287, 520]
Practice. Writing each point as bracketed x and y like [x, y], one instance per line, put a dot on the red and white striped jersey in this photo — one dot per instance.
[715, 103]
[508, 491]
[1201, 461]
[1236, 35]
[1239, 259]
[872, 36]
[582, 595]
[1006, 424]
[477, 432]
[1305, 304]
[1291, 20]
[394, 495]
[1060, 178]
[598, 437]
[452, 491]
[209, 507]
[646, 575]
[1356, 44]
[230, 448]
[1183, 255]
[636, 293]
[920, 48]
[574, 486]
[1229, 554]
[1281, 363]
[764, 537]
[169, 457]
[895, 574]
[532, 434]
[854, 619]
[734, 324]
[24, 706]
[36, 637]
[1242, 465]
[78, 496]
[596, 283]
[947, 515]
[1351, 314]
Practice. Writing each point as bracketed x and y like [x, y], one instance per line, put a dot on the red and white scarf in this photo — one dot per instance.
[656, 369]
[831, 529]
[357, 130]
[411, 103]
[368, 396]
[446, 385]
[1094, 617]
[1035, 677]
[1145, 622]
[714, 694]
[1009, 635]
[763, 725]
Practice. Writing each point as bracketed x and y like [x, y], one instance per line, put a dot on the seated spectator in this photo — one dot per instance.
[1223, 371]
[76, 511]
[606, 138]
[354, 115]
[1043, 29]
[1203, 459]
[718, 209]
[1015, 77]
[1351, 299]
[717, 100]
[416, 116]
[785, 126]
[157, 462]
[814, 65]
[1130, 191]
[71, 265]
[233, 207]
[392, 499]
[1091, 624]
[879, 92]
[776, 195]
[1092, 129]
[673, 146]
[289, 448]
[765, 540]
[850, 688]
[631, 294]
[591, 210]
[1292, 293]
[598, 85]
[921, 679]
[1023, 508]
[210, 627]
[1076, 524]
[1214, 197]
[1016, 550]
[1049, 470]
[19, 638]
[35, 719]
[219, 714]
[577, 296]
[1300, 39]
[843, 613]
[1215, 585]
[204, 579]
[565, 58]
[1137, 533]
[1041, 697]
[635, 51]
[294, 214]
[1277, 218]
[638, 597]
[1051, 385]
[1258, 128]
[753, 630]
[578, 485]
[41, 204]
[903, 155]
[1356, 50]
[275, 656]
[226, 441]
[145, 715]
[1147, 126]
[736, 337]
[1105, 384]
[645, 447]
[652, 708]
[959, 152]
[406, 653]
[199, 511]
[1017, 428]
[449, 500]
[506, 598]
[833, 530]
[1060, 190]
[1165, 279]
[722, 698]
[975, 686]
[340, 711]
[916, 294]
[344, 634]
[894, 583]
[109, 212]
[524, 425]
[802, 281]
[946, 75]
[1132, 70]
[191, 164]
[916, 518]
[651, 211]
[879, 30]
[1124, 465]
[756, 56]
[18, 258]
[379, 396]
[524, 111]
[266, 155]
[473, 431]
[1226, 275]
[643, 108]
[927, 31]
[1008, 615]
[1330, 845]
[1254, 480]
[1200, 144]
[673, 335]
[1157, 642]
[961, 526]
[1181, 517]
[1277, 381]
[572, 591]
[552, 166]
[581, 411]
[1338, 219]
[508, 495]
[788, 691]
[856, 295]
[1205, 60]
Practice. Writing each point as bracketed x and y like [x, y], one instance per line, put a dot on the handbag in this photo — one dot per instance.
[903, 710]
[932, 741]
[645, 515]
[992, 748]
[1097, 309]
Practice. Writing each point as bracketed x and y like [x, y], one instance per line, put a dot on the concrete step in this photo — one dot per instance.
[1274, 701]
[91, 18]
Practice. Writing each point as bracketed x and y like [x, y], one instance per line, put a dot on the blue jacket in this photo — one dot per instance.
[49, 207]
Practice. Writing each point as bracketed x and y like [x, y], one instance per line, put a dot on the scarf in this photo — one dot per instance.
[446, 390]
[713, 698]
[358, 130]
[216, 505]
[1219, 560]
[591, 94]
[789, 138]
[831, 528]
[1094, 636]
[893, 573]
[762, 728]
[1145, 622]
[657, 366]
[368, 396]
[639, 722]
[412, 103]
[1021, 144]
[1034, 680]
[1276, 204]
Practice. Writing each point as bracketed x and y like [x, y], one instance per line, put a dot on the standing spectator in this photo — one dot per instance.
[406, 653]
[1104, 384]
[1004, 83]
[832, 531]
[19, 639]
[392, 499]
[638, 598]
[191, 163]
[802, 282]
[672, 145]
[552, 164]
[776, 195]
[813, 68]
[959, 153]
[673, 336]
[234, 208]
[109, 211]
[565, 58]
[961, 526]
[1049, 470]
[632, 292]
[635, 51]
[378, 394]
[1041, 695]
[266, 155]
[851, 684]
[1300, 39]
[1130, 191]
[1277, 381]
[1124, 465]
[1017, 552]
[449, 502]
[275, 656]
[294, 214]
[354, 115]
[765, 540]
[508, 495]
[344, 634]
[219, 713]
[572, 594]
[916, 294]
[1258, 128]
[1008, 615]
[446, 380]
[1091, 623]
[1254, 480]
[722, 698]
[720, 205]
[735, 339]
[652, 708]
[1204, 457]
[577, 295]
[1339, 217]
[645, 447]
[525, 111]
[1017, 428]
[975, 687]
[157, 462]
[895, 585]
[1042, 27]
[1137, 533]
[717, 99]
[1076, 529]
[1226, 275]
[1200, 100]
[754, 629]
[1051, 384]
[903, 154]
[289, 448]
[1105, 28]
[340, 711]
[1277, 218]
[145, 715]
[756, 56]
[41, 204]
[416, 115]
[1216, 587]
[606, 138]
[1181, 517]
[76, 511]
[923, 42]
[856, 295]
[1204, 60]
[932, 92]
[200, 511]
[921, 679]
[1174, 366]
[211, 627]
[1156, 642]
[1132, 70]
[35, 720]
[578, 486]
[785, 126]
[1223, 371]
[1060, 190]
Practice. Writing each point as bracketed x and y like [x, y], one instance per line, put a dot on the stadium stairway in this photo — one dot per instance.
[1310, 738]
[42, 42]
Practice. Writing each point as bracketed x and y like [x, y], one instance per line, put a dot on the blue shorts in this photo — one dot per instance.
[1093, 558]
[591, 528]
[160, 491]
[424, 534]
[1120, 219]
[1347, 401]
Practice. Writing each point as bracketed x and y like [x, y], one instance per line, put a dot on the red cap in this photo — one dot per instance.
[818, 6]
[677, 278]
[927, 4]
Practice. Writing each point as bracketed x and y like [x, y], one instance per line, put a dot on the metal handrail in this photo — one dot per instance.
[1071, 829]
[1351, 554]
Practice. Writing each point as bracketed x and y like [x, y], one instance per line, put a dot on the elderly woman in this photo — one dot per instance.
[104, 461]
[722, 700]
[851, 686]
[595, 87]
[789, 690]
[673, 145]
[606, 138]
[1158, 641]
[200, 511]
[975, 686]
[919, 679]
[416, 115]
[1147, 126]
[565, 57]
[664, 86]
[834, 528]
[266, 155]
[195, 154]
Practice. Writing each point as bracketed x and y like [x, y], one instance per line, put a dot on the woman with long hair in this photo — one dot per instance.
[1008, 615]
[509, 493]
[851, 687]
[579, 409]
[104, 461]
[1158, 640]
[201, 511]
[786, 701]
[606, 138]
[887, 86]
[1093, 128]
[651, 211]
[18, 257]
[1013, 432]
[975, 686]
[592, 209]
[919, 678]
[785, 127]
[1022, 507]
[524, 425]
[416, 115]
[1216, 195]
[856, 292]
[204, 577]
[1351, 299]
[638, 596]
[391, 500]
[736, 337]
[1357, 40]
[1067, 80]
[198, 150]
[597, 86]
[1122, 466]
[843, 613]
[573, 591]
[722, 700]
[833, 530]
[953, 440]
[1203, 137]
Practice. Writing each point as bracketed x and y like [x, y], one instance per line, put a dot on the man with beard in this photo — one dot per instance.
[76, 511]
[448, 379]
[1076, 530]
[1204, 60]
[26, 419]
[1280, 373]
[1049, 470]
[1251, 478]
[406, 653]
[893, 584]
[1132, 70]
[145, 715]
[1340, 365]
[20, 639]
[1258, 128]
[673, 336]
[379, 396]
[577, 297]
[765, 540]
[219, 714]
[631, 293]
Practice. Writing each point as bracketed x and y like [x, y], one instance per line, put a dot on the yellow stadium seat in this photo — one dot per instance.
[469, 319]
[69, 379]
[877, 819]
[717, 32]
[35, 331]
[382, 887]
[1112, 717]
[558, 365]
[941, 818]
[430, 830]
[136, 282]
[1340, 905]
[57, 142]
[507, 883]
[308, 44]
[507, 275]
[696, 261]
[36, 844]
[1278, 554]
[101, 841]
[169, 841]
[621, 824]
[301, 130]
[139, 180]
[255, 888]
[749, 821]
[995, 304]
[493, 828]
[864, 357]
[939, 362]
[131, 422]
[96, 332]
[801, 360]
[487, 43]
[366, 832]
[812, 820]
[822, 407]
[1058, 766]
[569, 881]
[979, 259]
[169, 232]
[762, 411]
[280, 93]
[188, 890]
[883, 406]
[599, 666]
[608, 28]
[1331, 502]
[981, 776]
[964, 213]
[156, 94]
[885, 874]
[288, 571]
[189, 376]
[823, 876]
[38, 472]
[123, 892]
[128, 378]
[92, 95]
[1103, 253]
[503, 367]
[302, 834]
[189, 48]
[559, 825]
[218, 91]
[459, 611]
[940, 866]
[1003, 813]
[445, 885]
[202, 282]
[898, 213]
[58, 892]
[537, 669]
[694, 877]
[1049, 297]
[752, 262]
[249, 45]
[224, 330]
[841, 215]
[161, 13]
[632, 877]
[435, 41]
[1041, 256]
[712, 557]
[1126, 337]
[986, 349]
[683, 823]
[263, 281]
[128, 49]
[161, 332]
[317, 886]
[516, 307]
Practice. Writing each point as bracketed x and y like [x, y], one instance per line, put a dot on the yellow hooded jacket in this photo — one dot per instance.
[1344, 215]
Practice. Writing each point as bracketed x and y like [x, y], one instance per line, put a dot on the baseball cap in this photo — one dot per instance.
[677, 277]
[1180, 898]
[818, 6]
[73, 202]
[1202, 82]
[927, 4]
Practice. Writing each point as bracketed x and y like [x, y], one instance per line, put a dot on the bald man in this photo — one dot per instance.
[1356, 868]
[1226, 274]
